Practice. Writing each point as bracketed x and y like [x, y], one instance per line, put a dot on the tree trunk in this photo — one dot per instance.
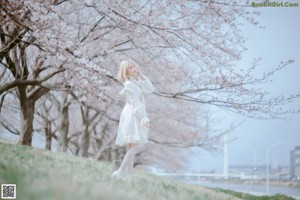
[27, 114]
[86, 134]
[48, 134]
[105, 143]
[85, 142]
[64, 126]
[85, 139]
[27, 104]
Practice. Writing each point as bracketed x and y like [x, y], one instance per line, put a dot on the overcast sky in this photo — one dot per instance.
[279, 41]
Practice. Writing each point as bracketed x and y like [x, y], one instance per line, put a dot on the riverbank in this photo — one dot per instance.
[292, 184]
[253, 189]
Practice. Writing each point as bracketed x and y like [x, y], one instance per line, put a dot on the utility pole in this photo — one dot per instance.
[225, 171]
[268, 149]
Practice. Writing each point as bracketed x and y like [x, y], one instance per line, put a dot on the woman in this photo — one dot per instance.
[134, 123]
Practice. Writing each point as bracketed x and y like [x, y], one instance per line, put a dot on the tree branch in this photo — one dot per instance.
[15, 131]
[11, 45]
[19, 82]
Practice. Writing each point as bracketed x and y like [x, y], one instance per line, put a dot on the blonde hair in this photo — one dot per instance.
[122, 75]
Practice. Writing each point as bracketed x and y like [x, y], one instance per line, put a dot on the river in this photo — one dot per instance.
[251, 188]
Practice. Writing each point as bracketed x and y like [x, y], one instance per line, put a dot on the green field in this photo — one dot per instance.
[45, 175]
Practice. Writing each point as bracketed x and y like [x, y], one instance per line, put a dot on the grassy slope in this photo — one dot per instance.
[44, 175]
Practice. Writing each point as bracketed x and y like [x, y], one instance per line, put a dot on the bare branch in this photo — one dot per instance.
[19, 82]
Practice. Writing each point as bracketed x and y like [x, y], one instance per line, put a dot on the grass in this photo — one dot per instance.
[45, 175]
[252, 197]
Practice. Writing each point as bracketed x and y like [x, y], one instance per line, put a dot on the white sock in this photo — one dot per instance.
[128, 160]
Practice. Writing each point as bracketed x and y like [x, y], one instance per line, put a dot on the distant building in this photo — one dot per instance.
[295, 163]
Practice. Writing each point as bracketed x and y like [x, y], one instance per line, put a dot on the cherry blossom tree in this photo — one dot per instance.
[186, 47]
[17, 44]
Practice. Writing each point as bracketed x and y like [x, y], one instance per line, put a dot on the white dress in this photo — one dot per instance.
[134, 115]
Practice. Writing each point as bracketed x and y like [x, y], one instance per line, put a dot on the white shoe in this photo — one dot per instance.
[120, 175]
[116, 174]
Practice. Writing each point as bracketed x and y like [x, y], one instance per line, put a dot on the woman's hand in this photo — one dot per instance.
[139, 73]
[145, 122]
